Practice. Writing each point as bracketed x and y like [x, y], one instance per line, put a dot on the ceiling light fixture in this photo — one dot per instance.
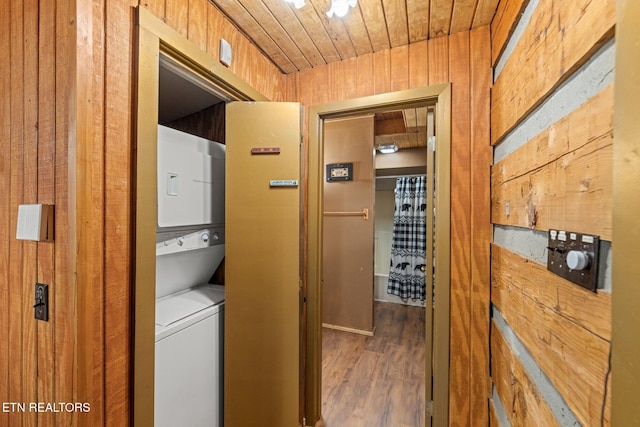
[297, 3]
[388, 148]
[340, 7]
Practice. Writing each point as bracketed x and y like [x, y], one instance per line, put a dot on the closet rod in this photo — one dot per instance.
[400, 176]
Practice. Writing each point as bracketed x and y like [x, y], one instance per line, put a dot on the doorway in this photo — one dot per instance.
[373, 341]
[436, 317]
[159, 49]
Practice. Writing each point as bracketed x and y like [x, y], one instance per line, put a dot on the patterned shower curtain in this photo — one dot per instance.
[409, 245]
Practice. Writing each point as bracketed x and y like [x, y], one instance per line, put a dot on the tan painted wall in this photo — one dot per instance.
[347, 294]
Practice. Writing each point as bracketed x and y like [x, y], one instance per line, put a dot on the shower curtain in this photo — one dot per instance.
[408, 247]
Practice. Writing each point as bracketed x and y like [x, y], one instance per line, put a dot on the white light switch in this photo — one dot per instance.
[35, 222]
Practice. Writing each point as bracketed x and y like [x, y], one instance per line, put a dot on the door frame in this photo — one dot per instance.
[439, 95]
[155, 38]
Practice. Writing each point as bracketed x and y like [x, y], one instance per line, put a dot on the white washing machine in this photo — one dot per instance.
[189, 330]
[189, 358]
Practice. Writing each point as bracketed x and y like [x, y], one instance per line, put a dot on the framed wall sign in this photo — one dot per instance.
[339, 172]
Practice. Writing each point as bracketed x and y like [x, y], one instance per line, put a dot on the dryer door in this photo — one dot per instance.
[262, 273]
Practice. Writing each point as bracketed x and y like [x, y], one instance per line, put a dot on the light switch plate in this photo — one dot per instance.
[35, 222]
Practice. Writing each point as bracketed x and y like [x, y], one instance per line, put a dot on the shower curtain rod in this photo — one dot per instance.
[400, 176]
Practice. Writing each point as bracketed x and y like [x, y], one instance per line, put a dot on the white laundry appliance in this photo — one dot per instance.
[189, 310]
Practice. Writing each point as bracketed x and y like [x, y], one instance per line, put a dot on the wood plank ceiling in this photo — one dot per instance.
[297, 39]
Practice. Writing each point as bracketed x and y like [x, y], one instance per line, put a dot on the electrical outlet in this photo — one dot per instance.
[41, 305]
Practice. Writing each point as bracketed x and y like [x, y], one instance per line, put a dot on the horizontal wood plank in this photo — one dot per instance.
[504, 22]
[524, 404]
[570, 193]
[592, 121]
[592, 311]
[560, 37]
[573, 357]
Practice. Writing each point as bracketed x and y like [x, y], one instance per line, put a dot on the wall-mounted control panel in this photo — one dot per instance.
[574, 256]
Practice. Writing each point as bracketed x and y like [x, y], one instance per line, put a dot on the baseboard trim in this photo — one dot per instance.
[352, 330]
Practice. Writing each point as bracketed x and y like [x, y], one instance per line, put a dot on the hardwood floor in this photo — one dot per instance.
[379, 380]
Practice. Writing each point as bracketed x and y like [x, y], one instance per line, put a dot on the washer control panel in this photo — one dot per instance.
[178, 242]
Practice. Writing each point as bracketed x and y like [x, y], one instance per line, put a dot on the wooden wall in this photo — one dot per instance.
[65, 140]
[464, 60]
[560, 178]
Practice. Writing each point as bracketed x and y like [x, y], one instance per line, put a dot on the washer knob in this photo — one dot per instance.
[216, 236]
[180, 241]
[204, 237]
[577, 260]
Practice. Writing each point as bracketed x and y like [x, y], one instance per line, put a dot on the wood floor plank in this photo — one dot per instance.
[378, 380]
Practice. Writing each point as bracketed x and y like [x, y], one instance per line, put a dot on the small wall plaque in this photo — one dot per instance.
[339, 172]
[265, 150]
[283, 183]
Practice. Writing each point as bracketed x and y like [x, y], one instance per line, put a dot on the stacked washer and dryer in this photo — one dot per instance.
[189, 309]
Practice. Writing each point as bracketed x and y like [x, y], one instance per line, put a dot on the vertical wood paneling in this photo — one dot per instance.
[459, 383]
[350, 71]
[481, 228]
[291, 87]
[336, 79]
[16, 190]
[438, 51]
[117, 249]
[30, 196]
[321, 87]
[46, 194]
[365, 76]
[400, 68]
[418, 65]
[89, 209]
[177, 15]
[157, 7]
[381, 71]
[5, 205]
[63, 317]
[215, 31]
[197, 30]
